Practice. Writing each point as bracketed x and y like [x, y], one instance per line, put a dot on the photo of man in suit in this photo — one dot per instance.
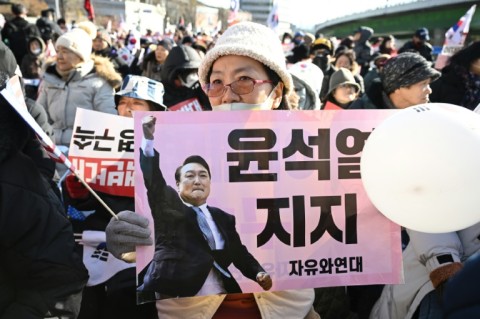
[194, 243]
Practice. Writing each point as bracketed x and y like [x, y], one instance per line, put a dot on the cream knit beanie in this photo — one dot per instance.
[78, 41]
[252, 40]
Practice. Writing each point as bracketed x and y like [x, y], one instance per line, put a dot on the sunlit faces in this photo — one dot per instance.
[161, 54]
[127, 105]
[66, 59]
[412, 95]
[343, 62]
[194, 185]
[345, 93]
[230, 68]
[99, 44]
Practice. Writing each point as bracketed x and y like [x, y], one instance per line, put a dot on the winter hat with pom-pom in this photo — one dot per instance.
[78, 41]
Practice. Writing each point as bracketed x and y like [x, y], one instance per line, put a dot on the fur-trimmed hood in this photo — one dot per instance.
[102, 66]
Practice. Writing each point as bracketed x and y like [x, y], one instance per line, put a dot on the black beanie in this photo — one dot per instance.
[406, 69]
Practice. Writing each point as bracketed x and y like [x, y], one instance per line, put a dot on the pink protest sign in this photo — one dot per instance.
[292, 181]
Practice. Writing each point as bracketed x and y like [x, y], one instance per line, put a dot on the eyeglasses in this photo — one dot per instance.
[239, 87]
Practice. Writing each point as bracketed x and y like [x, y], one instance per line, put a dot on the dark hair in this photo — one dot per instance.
[350, 54]
[155, 106]
[45, 13]
[382, 48]
[192, 159]
[18, 8]
[466, 56]
[275, 78]
[152, 106]
[347, 42]
[286, 35]
[167, 44]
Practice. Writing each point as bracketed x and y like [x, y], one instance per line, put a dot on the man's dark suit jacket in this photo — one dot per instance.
[183, 258]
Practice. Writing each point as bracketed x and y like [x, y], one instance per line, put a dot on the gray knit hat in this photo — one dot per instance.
[406, 69]
[342, 76]
[252, 40]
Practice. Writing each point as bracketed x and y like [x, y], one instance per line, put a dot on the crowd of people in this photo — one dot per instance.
[245, 67]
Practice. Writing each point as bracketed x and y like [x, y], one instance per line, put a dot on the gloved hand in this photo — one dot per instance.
[128, 231]
[75, 188]
[264, 280]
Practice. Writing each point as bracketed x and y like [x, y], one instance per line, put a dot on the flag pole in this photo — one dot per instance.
[94, 193]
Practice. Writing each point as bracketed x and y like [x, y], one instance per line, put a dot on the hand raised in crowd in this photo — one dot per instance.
[129, 231]
[148, 125]
[264, 280]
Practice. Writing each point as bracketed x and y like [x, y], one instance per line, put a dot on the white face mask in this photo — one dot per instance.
[190, 80]
[266, 105]
[36, 51]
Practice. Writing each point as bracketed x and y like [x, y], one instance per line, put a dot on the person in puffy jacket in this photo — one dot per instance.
[40, 274]
[76, 79]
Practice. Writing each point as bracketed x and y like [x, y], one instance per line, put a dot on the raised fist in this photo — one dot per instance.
[148, 125]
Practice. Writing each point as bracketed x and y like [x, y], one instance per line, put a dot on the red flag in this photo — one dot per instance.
[89, 7]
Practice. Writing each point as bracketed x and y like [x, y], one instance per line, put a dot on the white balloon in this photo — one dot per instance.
[420, 167]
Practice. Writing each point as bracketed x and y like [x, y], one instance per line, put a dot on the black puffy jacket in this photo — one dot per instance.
[40, 275]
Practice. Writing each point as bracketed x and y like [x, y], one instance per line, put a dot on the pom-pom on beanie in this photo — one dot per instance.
[78, 41]
[254, 41]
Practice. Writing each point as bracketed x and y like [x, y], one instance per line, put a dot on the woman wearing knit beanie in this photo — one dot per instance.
[257, 77]
[76, 79]
[245, 70]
